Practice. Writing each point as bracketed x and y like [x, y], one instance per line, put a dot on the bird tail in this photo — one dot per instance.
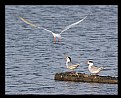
[78, 65]
[101, 68]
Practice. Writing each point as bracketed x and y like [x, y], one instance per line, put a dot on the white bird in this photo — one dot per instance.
[93, 69]
[55, 35]
[70, 65]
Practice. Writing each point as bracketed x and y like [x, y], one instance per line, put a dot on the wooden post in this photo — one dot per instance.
[82, 77]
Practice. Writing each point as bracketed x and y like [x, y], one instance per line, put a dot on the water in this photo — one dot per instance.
[32, 59]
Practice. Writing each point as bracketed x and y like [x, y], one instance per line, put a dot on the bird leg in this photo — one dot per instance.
[59, 39]
[73, 72]
[54, 40]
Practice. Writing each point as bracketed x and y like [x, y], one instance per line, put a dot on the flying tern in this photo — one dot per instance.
[55, 35]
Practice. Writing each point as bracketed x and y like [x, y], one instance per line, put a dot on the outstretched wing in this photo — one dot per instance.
[47, 30]
[27, 22]
[33, 25]
[71, 25]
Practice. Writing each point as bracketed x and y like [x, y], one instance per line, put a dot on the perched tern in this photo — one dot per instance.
[93, 69]
[55, 35]
[70, 65]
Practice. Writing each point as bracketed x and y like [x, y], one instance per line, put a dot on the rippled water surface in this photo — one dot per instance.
[32, 59]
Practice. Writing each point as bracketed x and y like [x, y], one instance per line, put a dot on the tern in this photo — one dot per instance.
[55, 35]
[70, 65]
[93, 69]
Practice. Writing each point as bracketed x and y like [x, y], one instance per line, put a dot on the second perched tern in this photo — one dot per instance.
[93, 69]
[55, 35]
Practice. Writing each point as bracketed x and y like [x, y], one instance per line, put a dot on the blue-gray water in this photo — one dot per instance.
[32, 59]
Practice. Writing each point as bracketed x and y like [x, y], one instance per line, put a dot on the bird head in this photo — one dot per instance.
[68, 59]
[90, 62]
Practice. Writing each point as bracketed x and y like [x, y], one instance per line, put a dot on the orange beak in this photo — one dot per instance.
[65, 56]
[86, 62]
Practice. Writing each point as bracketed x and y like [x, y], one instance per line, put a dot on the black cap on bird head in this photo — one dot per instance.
[69, 58]
[90, 61]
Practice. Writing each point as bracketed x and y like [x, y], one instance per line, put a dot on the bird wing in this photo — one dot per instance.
[95, 68]
[33, 25]
[27, 22]
[71, 25]
[47, 30]
[75, 65]
[72, 64]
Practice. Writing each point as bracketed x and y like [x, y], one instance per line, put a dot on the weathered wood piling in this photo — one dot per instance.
[82, 77]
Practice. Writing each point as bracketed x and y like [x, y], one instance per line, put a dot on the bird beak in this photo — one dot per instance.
[86, 62]
[65, 56]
